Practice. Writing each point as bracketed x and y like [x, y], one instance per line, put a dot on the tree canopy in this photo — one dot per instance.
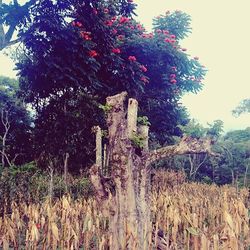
[15, 125]
[74, 58]
[243, 107]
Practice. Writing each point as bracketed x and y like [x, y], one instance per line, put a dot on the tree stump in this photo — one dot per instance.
[125, 194]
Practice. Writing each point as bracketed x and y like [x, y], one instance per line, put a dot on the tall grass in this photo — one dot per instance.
[192, 216]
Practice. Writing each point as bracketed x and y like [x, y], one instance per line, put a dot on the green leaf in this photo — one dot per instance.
[193, 231]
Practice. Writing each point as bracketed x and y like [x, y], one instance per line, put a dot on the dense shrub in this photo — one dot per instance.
[28, 184]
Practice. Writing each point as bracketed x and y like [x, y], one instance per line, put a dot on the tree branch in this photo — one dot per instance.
[6, 157]
[187, 145]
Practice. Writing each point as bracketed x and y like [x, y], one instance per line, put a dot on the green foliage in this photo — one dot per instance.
[138, 140]
[13, 111]
[194, 129]
[238, 135]
[106, 108]
[77, 55]
[243, 107]
[177, 23]
[143, 120]
[27, 183]
[215, 129]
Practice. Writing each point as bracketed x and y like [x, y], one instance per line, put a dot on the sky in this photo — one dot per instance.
[221, 39]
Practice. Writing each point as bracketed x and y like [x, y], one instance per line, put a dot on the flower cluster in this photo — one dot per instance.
[116, 50]
[124, 19]
[144, 79]
[173, 75]
[123, 29]
[85, 35]
[143, 68]
[77, 24]
[132, 58]
[93, 53]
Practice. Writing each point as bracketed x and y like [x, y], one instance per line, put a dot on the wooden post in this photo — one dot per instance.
[66, 171]
[143, 131]
[132, 117]
[98, 149]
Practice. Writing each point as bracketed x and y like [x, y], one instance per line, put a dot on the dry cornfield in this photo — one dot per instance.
[192, 216]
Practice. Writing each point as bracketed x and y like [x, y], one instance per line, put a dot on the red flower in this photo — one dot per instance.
[159, 31]
[143, 68]
[150, 35]
[120, 37]
[166, 32]
[174, 68]
[144, 79]
[132, 58]
[108, 23]
[38, 225]
[116, 50]
[95, 11]
[167, 40]
[114, 31]
[123, 19]
[85, 35]
[173, 36]
[79, 24]
[106, 11]
[184, 49]
[93, 53]
[173, 81]
[139, 27]
[113, 18]
[172, 75]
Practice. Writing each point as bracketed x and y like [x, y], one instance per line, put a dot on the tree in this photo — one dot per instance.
[99, 50]
[13, 16]
[243, 107]
[236, 145]
[15, 125]
[197, 162]
[125, 192]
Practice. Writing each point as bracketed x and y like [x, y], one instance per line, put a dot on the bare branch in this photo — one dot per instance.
[187, 145]
[14, 159]
[6, 157]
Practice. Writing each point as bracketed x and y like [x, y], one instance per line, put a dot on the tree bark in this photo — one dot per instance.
[65, 167]
[51, 186]
[6, 124]
[245, 175]
[125, 194]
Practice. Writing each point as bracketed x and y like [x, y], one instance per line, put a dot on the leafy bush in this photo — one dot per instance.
[29, 184]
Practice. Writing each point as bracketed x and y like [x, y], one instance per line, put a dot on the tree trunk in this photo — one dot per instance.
[65, 167]
[6, 124]
[232, 174]
[51, 174]
[125, 194]
[245, 176]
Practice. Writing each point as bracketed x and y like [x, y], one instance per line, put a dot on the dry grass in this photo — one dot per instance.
[193, 216]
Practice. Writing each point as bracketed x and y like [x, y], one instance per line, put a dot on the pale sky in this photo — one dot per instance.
[221, 39]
